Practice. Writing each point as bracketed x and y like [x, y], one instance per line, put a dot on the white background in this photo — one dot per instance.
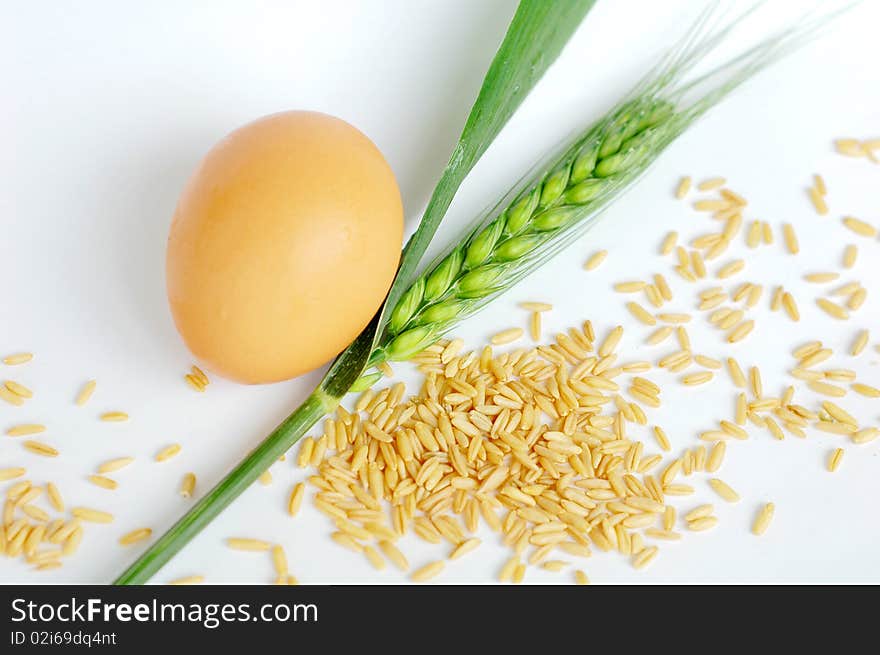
[108, 106]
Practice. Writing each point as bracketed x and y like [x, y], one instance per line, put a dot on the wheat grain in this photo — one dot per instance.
[25, 429]
[54, 496]
[595, 260]
[840, 374]
[710, 205]
[659, 335]
[699, 512]
[188, 580]
[866, 390]
[816, 357]
[645, 557]
[168, 452]
[115, 464]
[676, 318]
[114, 416]
[247, 544]
[394, 555]
[790, 306]
[663, 287]
[818, 201]
[694, 379]
[839, 414]
[103, 482]
[663, 535]
[730, 269]
[834, 459]
[507, 336]
[762, 520]
[821, 278]
[581, 578]
[374, 558]
[11, 398]
[188, 485]
[697, 264]
[92, 515]
[535, 326]
[703, 523]
[669, 242]
[791, 240]
[641, 314]
[428, 571]
[40, 448]
[736, 373]
[611, 342]
[135, 536]
[279, 560]
[847, 289]
[194, 383]
[711, 183]
[865, 435]
[199, 375]
[18, 389]
[716, 457]
[860, 227]
[741, 331]
[536, 306]
[296, 498]
[832, 309]
[17, 359]
[850, 254]
[630, 287]
[755, 382]
[857, 299]
[85, 393]
[724, 490]
[753, 236]
[464, 547]
[807, 349]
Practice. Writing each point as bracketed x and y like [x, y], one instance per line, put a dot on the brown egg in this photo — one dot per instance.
[283, 246]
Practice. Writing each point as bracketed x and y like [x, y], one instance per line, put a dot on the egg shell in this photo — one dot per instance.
[283, 246]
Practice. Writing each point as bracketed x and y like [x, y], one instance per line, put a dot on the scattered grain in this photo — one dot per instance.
[25, 429]
[256, 545]
[507, 336]
[428, 571]
[536, 306]
[135, 536]
[92, 515]
[595, 260]
[190, 579]
[762, 520]
[168, 452]
[669, 243]
[791, 240]
[860, 227]
[834, 459]
[114, 416]
[724, 490]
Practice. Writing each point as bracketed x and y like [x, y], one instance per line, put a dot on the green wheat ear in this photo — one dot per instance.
[550, 208]
[493, 255]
